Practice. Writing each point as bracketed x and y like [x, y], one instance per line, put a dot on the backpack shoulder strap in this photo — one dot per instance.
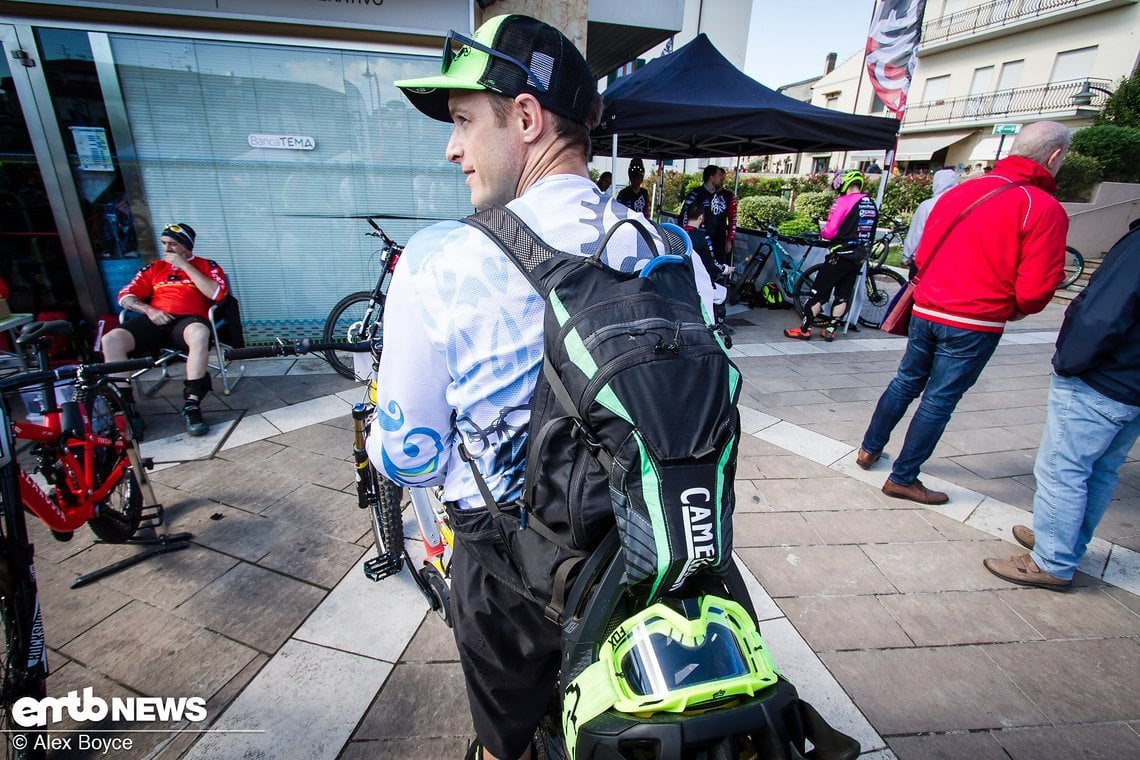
[515, 238]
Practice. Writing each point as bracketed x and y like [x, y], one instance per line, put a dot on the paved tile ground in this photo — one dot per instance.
[879, 610]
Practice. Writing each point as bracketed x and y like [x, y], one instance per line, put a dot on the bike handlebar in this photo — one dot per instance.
[39, 377]
[297, 348]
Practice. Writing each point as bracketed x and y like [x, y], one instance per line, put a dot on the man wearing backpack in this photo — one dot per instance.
[463, 339]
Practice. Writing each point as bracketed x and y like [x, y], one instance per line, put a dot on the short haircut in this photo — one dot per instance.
[1038, 140]
[694, 210]
[711, 171]
[574, 134]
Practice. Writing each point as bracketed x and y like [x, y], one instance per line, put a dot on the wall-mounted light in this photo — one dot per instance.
[1084, 96]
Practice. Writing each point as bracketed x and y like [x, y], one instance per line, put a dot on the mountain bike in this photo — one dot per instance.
[85, 452]
[789, 269]
[359, 316]
[1074, 267]
[880, 284]
[882, 247]
[381, 497]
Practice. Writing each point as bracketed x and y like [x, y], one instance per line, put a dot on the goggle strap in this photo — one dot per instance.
[588, 696]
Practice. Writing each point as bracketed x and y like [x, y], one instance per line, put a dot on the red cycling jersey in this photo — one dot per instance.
[171, 290]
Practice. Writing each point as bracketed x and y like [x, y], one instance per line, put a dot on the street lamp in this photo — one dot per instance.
[1084, 96]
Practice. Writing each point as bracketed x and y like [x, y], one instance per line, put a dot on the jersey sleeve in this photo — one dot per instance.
[731, 218]
[141, 285]
[215, 273]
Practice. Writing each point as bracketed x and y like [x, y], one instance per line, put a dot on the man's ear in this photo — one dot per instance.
[533, 120]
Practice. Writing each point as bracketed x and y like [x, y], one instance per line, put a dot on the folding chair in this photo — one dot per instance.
[219, 317]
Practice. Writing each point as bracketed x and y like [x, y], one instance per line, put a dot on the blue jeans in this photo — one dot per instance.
[1087, 437]
[940, 363]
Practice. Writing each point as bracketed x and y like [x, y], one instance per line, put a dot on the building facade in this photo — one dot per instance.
[272, 128]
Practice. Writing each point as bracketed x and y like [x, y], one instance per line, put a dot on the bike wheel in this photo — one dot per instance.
[879, 250]
[20, 636]
[745, 287]
[117, 517]
[345, 323]
[388, 518]
[1074, 267]
[881, 287]
[802, 290]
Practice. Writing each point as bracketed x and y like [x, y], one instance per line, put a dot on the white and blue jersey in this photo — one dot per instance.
[463, 341]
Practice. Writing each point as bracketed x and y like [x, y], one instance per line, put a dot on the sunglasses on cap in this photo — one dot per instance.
[176, 228]
[450, 53]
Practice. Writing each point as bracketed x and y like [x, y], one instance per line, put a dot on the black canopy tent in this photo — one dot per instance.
[693, 103]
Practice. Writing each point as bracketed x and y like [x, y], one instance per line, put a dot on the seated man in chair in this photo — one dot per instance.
[175, 294]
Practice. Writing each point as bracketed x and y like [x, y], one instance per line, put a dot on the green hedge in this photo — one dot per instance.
[811, 204]
[797, 225]
[1116, 149]
[758, 211]
[1077, 177]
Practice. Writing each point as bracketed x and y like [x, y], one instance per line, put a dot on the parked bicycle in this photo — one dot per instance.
[881, 248]
[1074, 267]
[84, 451]
[381, 497]
[789, 269]
[358, 317]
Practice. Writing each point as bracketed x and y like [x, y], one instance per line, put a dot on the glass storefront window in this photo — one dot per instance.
[275, 154]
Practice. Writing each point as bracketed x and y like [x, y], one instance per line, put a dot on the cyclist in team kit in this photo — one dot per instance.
[522, 101]
[634, 195]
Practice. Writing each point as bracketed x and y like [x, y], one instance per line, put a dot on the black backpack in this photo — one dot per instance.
[633, 421]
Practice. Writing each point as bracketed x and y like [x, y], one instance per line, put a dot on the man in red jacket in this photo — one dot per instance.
[1001, 261]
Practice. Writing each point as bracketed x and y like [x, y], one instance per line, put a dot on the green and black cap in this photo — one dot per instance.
[509, 55]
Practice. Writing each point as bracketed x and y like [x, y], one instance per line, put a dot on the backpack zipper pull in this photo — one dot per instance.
[522, 518]
[675, 344]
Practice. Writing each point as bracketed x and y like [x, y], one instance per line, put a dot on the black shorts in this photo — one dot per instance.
[836, 279]
[149, 337]
[509, 651]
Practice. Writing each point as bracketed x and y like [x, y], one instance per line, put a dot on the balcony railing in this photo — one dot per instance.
[991, 15]
[1042, 99]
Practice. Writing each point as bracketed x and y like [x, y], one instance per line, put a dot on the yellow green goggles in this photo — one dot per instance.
[664, 660]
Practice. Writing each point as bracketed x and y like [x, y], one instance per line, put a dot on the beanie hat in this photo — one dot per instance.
[510, 55]
[637, 167]
[182, 234]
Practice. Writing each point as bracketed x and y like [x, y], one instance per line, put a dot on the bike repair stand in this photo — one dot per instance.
[151, 518]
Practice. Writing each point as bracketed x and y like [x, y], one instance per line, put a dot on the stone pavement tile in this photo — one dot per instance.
[343, 422]
[49, 549]
[983, 441]
[753, 421]
[822, 494]
[1011, 491]
[747, 468]
[418, 748]
[938, 566]
[749, 497]
[792, 415]
[949, 528]
[232, 531]
[751, 446]
[164, 580]
[1075, 681]
[318, 469]
[305, 703]
[320, 439]
[433, 642]
[191, 476]
[794, 397]
[798, 440]
[957, 617]
[999, 464]
[762, 602]
[988, 418]
[815, 571]
[913, 691]
[849, 432]
[832, 623]
[772, 529]
[158, 654]
[988, 384]
[871, 526]
[763, 386]
[977, 746]
[977, 400]
[247, 486]
[309, 555]
[788, 466]
[250, 453]
[183, 447]
[1126, 599]
[257, 607]
[856, 393]
[419, 700]
[829, 378]
[799, 664]
[367, 618]
[249, 428]
[834, 412]
[68, 612]
[1122, 569]
[1107, 740]
[307, 413]
[334, 513]
[1087, 613]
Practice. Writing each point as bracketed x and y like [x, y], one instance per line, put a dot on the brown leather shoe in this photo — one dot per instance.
[1022, 570]
[865, 460]
[1023, 536]
[916, 491]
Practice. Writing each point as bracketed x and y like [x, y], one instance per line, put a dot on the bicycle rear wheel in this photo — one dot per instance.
[881, 287]
[346, 323]
[1074, 267]
[23, 634]
[804, 287]
[117, 517]
[745, 287]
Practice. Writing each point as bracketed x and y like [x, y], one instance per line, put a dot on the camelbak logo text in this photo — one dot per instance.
[700, 535]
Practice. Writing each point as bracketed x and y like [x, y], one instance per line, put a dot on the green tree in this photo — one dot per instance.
[1077, 177]
[1115, 148]
[1123, 107]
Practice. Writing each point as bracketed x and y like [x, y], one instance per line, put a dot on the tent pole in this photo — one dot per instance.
[613, 166]
[889, 163]
[736, 181]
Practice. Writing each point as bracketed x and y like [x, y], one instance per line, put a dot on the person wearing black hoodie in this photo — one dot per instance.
[1093, 419]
